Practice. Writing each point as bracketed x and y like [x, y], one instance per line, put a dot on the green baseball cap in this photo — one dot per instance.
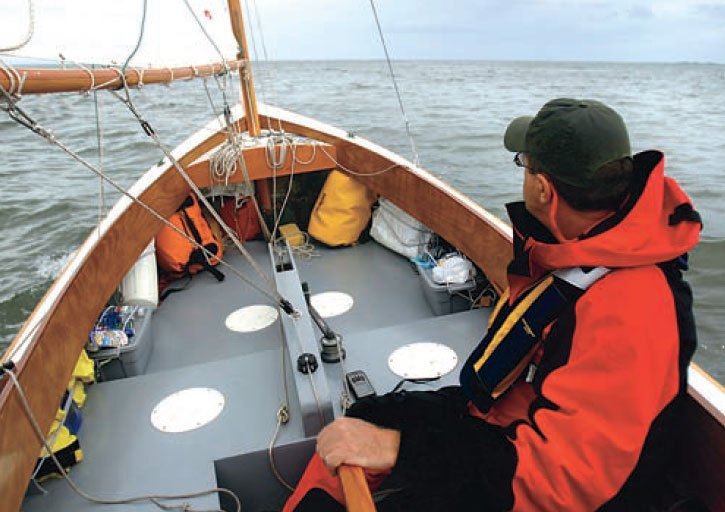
[570, 139]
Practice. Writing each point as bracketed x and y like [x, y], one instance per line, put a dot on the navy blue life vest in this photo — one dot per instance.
[515, 332]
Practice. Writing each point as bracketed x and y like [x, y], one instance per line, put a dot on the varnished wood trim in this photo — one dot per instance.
[249, 97]
[355, 489]
[466, 225]
[312, 158]
[708, 392]
[59, 326]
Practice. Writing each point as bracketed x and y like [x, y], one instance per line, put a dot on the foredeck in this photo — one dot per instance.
[124, 455]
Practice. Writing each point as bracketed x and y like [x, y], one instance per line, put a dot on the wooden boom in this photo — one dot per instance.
[37, 81]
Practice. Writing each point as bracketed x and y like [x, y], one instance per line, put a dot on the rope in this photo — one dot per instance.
[298, 337]
[227, 111]
[270, 454]
[260, 89]
[120, 78]
[355, 173]
[153, 498]
[245, 69]
[52, 438]
[22, 118]
[306, 250]
[84, 68]
[274, 164]
[138, 43]
[211, 103]
[29, 35]
[201, 26]
[150, 132]
[395, 84]
[99, 137]
[16, 82]
[283, 412]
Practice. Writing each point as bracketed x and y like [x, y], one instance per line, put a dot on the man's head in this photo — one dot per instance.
[581, 146]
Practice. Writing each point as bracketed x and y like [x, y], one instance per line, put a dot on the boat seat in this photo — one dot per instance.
[125, 455]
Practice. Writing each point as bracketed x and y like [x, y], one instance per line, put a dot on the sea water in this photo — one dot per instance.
[457, 110]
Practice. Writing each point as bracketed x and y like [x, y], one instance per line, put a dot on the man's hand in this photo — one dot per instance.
[357, 443]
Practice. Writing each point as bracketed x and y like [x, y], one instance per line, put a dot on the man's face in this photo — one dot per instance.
[534, 193]
[530, 186]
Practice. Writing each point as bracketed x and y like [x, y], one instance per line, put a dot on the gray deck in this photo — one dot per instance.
[125, 455]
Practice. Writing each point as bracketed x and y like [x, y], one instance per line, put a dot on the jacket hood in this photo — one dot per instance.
[656, 224]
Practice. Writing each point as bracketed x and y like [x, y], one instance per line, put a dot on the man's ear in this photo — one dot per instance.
[544, 189]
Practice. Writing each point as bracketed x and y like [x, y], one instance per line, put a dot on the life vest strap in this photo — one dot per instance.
[516, 330]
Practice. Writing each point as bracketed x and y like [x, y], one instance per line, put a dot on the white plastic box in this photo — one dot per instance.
[445, 299]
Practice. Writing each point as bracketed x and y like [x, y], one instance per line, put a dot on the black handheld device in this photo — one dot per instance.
[360, 384]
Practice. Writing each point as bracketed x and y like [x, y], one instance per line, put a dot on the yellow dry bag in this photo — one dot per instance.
[342, 210]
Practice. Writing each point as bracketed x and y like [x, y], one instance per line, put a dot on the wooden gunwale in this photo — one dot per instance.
[469, 227]
[58, 327]
[38, 81]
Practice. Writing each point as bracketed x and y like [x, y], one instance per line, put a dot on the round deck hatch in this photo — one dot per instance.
[251, 318]
[187, 410]
[422, 361]
[330, 304]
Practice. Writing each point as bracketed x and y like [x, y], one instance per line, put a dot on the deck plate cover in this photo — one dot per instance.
[423, 361]
[187, 410]
[251, 318]
[330, 304]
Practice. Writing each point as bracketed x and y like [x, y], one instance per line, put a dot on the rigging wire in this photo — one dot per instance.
[244, 71]
[138, 43]
[231, 130]
[22, 118]
[260, 85]
[201, 26]
[395, 84]
[99, 136]
[270, 68]
[151, 133]
[156, 499]
[29, 35]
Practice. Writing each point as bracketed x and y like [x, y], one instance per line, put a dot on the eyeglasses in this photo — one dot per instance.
[519, 159]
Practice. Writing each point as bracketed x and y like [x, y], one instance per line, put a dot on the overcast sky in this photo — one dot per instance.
[612, 30]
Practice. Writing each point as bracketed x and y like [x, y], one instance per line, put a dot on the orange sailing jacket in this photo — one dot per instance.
[595, 426]
[596, 422]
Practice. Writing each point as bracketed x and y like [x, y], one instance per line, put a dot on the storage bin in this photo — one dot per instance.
[133, 358]
[445, 299]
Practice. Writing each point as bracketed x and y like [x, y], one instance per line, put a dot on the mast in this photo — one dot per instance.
[245, 75]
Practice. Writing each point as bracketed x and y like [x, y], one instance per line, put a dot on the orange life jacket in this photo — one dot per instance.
[177, 254]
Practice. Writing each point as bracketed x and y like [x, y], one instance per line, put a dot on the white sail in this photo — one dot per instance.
[106, 31]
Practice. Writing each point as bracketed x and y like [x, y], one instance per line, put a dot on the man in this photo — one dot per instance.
[585, 417]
